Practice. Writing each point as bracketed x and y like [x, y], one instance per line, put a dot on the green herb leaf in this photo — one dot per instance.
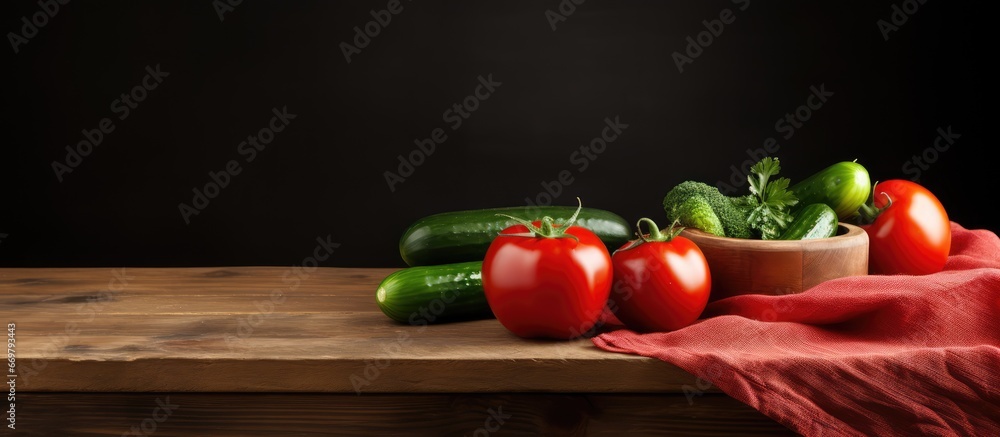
[770, 216]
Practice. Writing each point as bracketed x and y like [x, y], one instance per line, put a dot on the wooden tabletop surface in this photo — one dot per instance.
[274, 329]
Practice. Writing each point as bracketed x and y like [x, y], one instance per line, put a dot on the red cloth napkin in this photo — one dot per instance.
[871, 355]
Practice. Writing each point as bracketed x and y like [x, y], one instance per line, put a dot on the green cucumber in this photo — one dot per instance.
[816, 220]
[844, 186]
[434, 294]
[461, 236]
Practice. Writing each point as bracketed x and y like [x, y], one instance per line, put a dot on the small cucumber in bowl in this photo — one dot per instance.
[816, 220]
[844, 186]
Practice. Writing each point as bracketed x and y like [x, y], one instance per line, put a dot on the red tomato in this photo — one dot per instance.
[547, 287]
[664, 280]
[912, 235]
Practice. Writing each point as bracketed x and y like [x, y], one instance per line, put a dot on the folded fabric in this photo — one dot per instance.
[870, 355]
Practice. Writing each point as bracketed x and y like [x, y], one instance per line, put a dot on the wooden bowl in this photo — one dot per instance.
[742, 266]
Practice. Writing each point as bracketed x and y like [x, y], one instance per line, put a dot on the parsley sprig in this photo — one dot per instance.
[771, 215]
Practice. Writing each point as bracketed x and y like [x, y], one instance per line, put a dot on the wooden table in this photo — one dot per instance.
[290, 351]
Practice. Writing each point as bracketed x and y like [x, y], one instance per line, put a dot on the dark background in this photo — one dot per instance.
[324, 174]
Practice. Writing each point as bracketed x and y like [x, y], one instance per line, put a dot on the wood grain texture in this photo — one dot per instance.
[225, 414]
[270, 329]
[743, 266]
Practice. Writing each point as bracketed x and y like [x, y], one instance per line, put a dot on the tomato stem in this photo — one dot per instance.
[868, 211]
[655, 235]
[654, 231]
[548, 228]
